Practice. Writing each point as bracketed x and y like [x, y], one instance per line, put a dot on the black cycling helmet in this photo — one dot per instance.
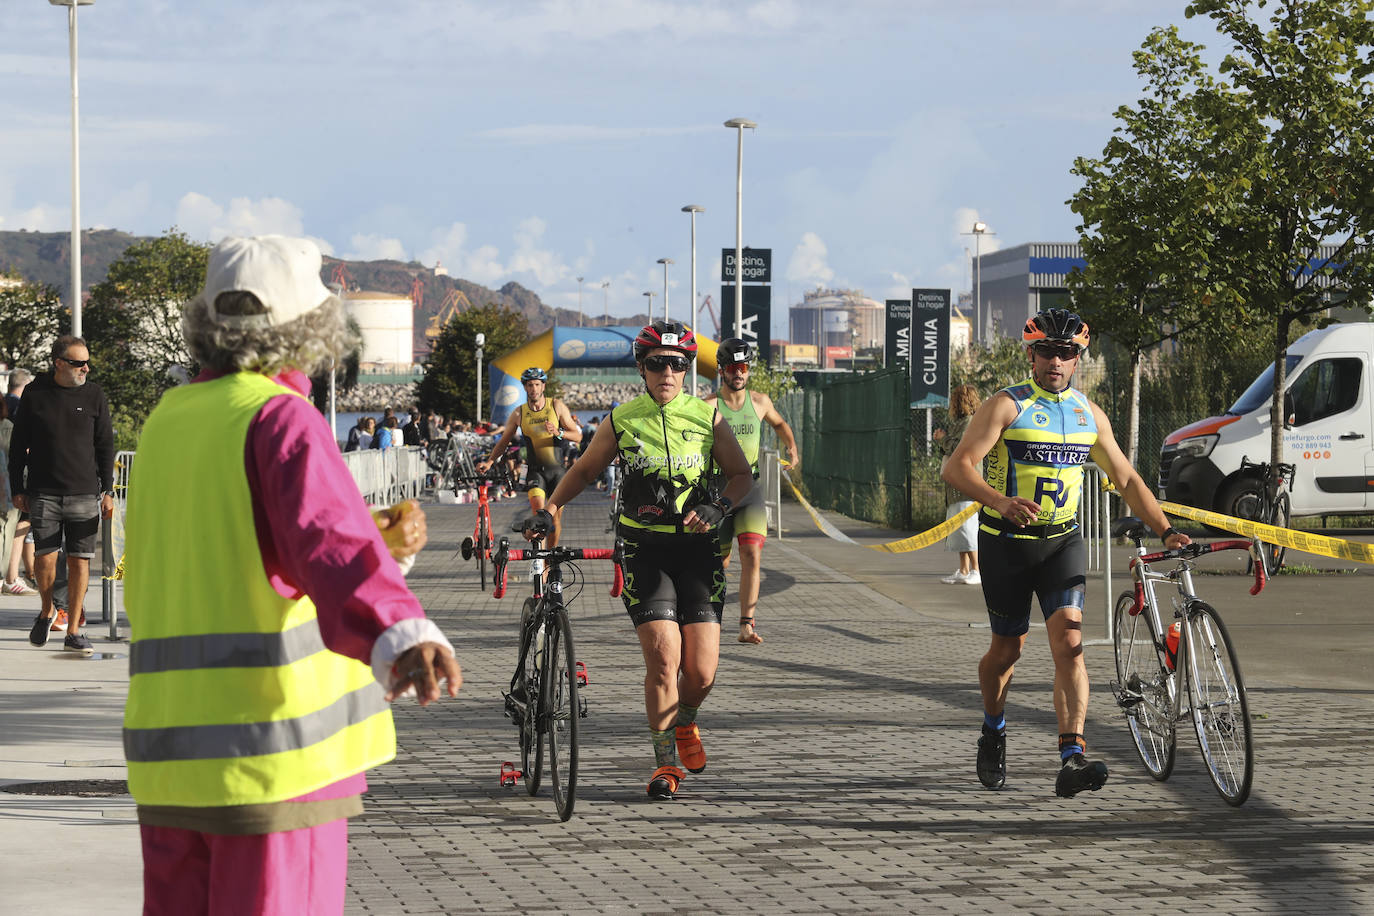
[534, 374]
[733, 350]
[1057, 326]
[671, 334]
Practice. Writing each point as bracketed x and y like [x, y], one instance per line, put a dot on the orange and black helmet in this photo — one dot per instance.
[1057, 326]
[670, 334]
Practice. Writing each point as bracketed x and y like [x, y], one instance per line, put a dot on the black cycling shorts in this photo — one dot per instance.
[672, 577]
[1016, 568]
[545, 478]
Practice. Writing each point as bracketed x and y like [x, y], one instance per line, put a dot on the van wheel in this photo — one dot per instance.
[1242, 498]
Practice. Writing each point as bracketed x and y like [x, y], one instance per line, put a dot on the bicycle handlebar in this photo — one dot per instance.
[1195, 550]
[555, 555]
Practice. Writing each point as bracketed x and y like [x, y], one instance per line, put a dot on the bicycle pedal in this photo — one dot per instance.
[509, 774]
[581, 707]
[466, 548]
[581, 669]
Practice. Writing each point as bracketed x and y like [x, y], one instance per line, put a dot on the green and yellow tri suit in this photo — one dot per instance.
[749, 519]
[1040, 457]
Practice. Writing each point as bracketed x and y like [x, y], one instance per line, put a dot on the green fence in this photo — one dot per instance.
[854, 433]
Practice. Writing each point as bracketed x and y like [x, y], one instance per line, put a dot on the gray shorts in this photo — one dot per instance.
[75, 517]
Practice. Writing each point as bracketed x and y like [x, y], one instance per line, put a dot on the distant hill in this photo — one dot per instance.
[45, 257]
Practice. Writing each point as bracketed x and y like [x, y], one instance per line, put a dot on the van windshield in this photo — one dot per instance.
[1261, 390]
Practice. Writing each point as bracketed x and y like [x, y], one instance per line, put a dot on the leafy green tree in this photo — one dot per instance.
[31, 318]
[1142, 205]
[132, 321]
[450, 383]
[1297, 172]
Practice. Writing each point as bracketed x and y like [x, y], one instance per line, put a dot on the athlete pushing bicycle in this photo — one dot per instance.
[674, 583]
[545, 424]
[1036, 436]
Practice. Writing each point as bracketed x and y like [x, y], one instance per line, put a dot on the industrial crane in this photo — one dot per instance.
[455, 302]
[712, 311]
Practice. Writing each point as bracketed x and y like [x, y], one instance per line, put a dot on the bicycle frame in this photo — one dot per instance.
[1152, 687]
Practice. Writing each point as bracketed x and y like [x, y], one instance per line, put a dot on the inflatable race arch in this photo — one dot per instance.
[583, 348]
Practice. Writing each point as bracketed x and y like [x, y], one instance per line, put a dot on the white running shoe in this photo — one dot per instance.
[956, 578]
[973, 578]
[18, 587]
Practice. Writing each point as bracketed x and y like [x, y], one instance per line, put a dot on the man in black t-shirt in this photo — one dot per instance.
[64, 441]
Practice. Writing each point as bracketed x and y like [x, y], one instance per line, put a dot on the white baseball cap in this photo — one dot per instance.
[284, 273]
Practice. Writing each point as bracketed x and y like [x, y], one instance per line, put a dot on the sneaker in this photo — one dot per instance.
[689, 748]
[955, 578]
[59, 621]
[38, 636]
[663, 785]
[78, 644]
[974, 577]
[1079, 773]
[18, 587]
[992, 758]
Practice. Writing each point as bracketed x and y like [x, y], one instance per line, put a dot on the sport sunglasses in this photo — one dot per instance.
[1063, 351]
[664, 363]
[75, 363]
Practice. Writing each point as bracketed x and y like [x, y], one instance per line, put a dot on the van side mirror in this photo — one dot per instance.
[1289, 413]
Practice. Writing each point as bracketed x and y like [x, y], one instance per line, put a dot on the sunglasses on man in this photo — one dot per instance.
[1049, 351]
[664, 363]
[75, 363]
[734, 367]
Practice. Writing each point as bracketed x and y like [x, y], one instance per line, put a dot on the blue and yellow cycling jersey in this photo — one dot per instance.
[1040, 456]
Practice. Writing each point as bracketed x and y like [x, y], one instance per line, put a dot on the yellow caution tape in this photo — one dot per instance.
[906, 545]
[1305, 541]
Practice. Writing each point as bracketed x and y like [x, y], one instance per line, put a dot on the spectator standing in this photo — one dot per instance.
[410, 433]
[64, 443]
[388, 435]
[260, 593]
[963, 402]
[15, 544]
[356, 434]
[19, 380]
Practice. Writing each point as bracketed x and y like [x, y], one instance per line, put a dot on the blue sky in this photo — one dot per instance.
[543, 141]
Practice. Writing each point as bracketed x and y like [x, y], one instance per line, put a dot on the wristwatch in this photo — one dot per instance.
[1168, 533]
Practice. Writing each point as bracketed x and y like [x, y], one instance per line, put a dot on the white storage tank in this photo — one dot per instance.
[387, 322]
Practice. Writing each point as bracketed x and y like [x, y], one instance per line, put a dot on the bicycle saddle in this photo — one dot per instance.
[1130, 527]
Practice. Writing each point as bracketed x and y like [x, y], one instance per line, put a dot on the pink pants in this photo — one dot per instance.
[294, 873]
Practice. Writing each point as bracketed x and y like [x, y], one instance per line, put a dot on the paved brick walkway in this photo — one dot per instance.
[840, 776]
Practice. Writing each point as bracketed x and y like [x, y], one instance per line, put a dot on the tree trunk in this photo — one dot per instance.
[1276, 414]
[1133, 432]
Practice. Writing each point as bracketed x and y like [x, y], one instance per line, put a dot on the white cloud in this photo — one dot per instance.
[807, 265]
[202, 218]
[375, 247]
[961, 229]
[38, 218]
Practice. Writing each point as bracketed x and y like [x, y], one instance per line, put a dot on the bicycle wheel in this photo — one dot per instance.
[1146, 688]
[562, 711]
[483, 548]
[531, 737]
[1221, 713]
[1279, 517]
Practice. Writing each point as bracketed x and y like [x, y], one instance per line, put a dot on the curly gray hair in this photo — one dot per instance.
[309, 343]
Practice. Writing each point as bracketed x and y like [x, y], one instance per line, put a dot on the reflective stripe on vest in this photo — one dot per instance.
[233, 698]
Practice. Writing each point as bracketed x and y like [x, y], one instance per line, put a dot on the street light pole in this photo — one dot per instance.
[739, 124]
[606, 302]
[980, 229]
[665, 262]
[71, 6]
[580, 320]
[693, 209]
[651, 306]
[481, 339]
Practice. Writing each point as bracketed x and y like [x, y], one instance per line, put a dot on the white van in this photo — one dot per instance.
[1329, 437]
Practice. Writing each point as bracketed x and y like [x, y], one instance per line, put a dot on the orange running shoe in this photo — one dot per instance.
[689, 748]
[663, 785]
[59, 621]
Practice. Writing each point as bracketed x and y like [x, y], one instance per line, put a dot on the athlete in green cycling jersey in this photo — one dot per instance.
[666, 441]
[1037, 435]
[746, 411]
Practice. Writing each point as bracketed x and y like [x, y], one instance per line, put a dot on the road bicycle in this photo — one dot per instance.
[1263, 497]
[545, 700]
[617, 504]
[480, 543]
[1188, 669]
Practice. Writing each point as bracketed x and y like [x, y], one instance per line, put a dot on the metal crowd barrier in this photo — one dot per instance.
[770, 480]
[1095, 512]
